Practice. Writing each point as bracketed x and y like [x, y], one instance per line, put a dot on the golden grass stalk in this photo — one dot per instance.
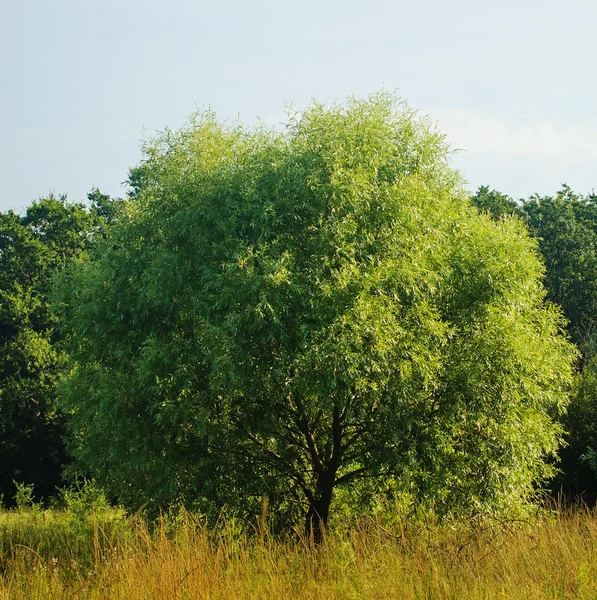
[553, 557]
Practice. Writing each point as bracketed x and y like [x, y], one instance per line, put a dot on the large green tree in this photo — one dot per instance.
[287, 312]
[32, 247]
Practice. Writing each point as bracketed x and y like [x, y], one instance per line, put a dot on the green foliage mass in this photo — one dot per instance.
[579, 464]
[32, 247]
[288, 312]
[565, 226]
[495, 203]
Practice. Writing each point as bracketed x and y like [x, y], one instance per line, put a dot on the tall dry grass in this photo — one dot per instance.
[49, 557]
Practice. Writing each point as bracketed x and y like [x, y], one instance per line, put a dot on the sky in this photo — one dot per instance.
[83, 82]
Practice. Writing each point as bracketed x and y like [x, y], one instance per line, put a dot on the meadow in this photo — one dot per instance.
[79, 552]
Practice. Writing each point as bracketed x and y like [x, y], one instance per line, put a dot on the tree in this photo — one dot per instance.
[565, 226]
[495, 203]
[578, 458]
[285, 313]
[32, 247]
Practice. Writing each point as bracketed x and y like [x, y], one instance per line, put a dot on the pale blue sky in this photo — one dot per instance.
[82, 81]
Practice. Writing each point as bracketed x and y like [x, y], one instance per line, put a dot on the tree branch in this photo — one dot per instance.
[350, 475]
[303, 426]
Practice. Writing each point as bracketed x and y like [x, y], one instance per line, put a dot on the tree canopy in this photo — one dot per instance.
[565, 226]
[288, 312]
[32, 247]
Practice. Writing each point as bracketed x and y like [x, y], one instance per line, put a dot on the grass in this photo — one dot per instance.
[104, 555]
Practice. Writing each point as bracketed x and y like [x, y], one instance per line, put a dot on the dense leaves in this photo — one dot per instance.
[495, 203]
[565, 226]
[578, 475]
[288, 312]
[32, 247]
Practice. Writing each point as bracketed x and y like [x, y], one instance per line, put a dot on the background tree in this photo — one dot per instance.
[565, 226]
[289, 312]
[32, 247]
[495, 203]
[578, 476]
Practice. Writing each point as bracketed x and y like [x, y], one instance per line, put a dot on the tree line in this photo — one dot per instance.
[319, 314]
[565, 227]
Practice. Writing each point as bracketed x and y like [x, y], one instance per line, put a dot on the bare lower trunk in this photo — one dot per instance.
[319, 509]
[326, 466]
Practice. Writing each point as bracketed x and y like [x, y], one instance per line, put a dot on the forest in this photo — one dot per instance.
[301, 328]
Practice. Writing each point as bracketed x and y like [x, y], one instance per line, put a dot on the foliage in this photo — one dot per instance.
[24, 497]
[286, 312]
[565, 226]
[32, 247]
[495, 203]
[84, 499]
[578, 464]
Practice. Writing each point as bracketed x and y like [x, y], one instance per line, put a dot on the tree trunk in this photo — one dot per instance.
[326, 466]
[319, 509]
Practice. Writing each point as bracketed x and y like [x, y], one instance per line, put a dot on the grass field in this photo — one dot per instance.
[105, 555]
